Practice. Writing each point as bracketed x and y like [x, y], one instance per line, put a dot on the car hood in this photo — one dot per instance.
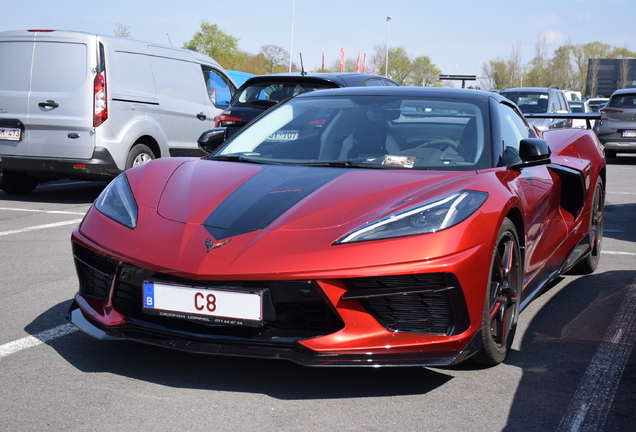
[233, 198]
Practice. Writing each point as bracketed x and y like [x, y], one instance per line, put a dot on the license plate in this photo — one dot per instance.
[11, 134]
[210, 306]
[283, 135]
[629, 133]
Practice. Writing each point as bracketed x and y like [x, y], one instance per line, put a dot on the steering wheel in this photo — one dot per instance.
[441, 143]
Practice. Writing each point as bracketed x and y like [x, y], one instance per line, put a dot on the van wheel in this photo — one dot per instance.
[139, 155]
[16, 183]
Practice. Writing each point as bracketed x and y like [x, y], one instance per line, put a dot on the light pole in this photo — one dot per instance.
[386, 57]
[291, 38]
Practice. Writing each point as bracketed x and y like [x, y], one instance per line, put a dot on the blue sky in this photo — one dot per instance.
[458, 36]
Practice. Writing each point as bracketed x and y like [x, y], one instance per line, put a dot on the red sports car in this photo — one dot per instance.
[348, 227]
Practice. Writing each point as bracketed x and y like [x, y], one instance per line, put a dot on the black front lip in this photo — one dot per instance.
[278, 350]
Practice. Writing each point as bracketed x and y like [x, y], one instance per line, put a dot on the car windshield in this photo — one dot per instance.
[276, 91]
[528, 102]
[369, 132]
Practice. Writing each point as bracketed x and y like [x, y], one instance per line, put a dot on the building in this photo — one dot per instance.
[604, 76]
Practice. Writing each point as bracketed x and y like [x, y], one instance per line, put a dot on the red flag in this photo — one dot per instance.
[374, 65]
[342, 60]
[358, 63]
[364, 63]
[323, 60]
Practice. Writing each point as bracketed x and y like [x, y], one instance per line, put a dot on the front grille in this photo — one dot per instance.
[95, 272]
[298, 309]
[422, 303]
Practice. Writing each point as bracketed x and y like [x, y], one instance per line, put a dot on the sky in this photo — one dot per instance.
[459, 36]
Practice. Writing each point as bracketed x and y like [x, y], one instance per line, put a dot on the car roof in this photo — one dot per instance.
[342, 79]
[531, 89]
[623, 91]
[435, 92]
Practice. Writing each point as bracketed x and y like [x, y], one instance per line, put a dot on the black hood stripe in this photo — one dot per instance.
[265, 197]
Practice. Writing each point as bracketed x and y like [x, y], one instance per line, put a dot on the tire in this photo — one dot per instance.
[501, 306]
[17, 183]
[139, 154]
[597, 220]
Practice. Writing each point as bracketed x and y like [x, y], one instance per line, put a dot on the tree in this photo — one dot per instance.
[277, 58]
[497, 73]
[217, 44]
[122, 30]
[561, 71]
[537, 75]
[424, 73]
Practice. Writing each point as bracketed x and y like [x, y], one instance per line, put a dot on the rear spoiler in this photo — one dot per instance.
[588, 117]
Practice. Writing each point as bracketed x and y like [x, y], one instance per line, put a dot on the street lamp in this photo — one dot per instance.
[291, 37]
[386, 57]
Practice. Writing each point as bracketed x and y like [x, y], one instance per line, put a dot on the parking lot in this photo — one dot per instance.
[573, 355]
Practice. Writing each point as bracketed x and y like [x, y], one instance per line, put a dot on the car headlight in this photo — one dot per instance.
[118, 203]
[431, 216]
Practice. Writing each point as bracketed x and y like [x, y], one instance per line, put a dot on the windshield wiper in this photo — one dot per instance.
[235, 158]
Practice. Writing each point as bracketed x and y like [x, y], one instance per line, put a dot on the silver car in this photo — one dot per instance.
[617, 128]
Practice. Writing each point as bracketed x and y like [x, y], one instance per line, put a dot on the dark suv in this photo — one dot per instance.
[617, 128]
[539, 100]
[259, 93]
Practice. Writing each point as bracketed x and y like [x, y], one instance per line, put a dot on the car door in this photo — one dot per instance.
[61, 99]
[538, 190]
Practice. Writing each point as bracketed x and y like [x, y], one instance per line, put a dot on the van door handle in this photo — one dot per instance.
[49, 104]
[201, 116]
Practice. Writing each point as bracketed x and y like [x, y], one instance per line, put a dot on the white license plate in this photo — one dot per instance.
[212, 306]
[629, 133]
[283, 135]
[11, 134]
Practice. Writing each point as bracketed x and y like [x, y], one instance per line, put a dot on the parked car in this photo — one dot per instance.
[617, 128]
[260, 93]
[572, 95]
[541, 100]
[596, 103]
[579, 107]
[85, 106]
[348, 227]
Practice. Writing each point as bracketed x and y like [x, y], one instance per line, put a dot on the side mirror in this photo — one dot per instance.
[212, 139]
[532, 151]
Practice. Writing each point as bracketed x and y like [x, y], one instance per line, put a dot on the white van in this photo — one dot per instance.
[85, 106]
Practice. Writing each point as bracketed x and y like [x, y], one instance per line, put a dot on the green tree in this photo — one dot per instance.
[217, 44]
[424, 73]
[496, 71]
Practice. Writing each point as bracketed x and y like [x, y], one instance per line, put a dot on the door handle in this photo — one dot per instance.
[49, 104]
[201, 116]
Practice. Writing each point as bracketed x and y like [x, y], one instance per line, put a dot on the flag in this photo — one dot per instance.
[364, 63]
[342, 60]
[323, 60]
[374, 65]
[358, 63]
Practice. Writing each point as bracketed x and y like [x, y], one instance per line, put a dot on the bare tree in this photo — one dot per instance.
[623, 73]
[515, 68]
[277, 57]
[122, 30]
[593, 77]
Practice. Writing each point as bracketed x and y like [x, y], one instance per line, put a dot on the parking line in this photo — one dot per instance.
[38, 227]
[593, 399]
[36, 339]
[42, 211]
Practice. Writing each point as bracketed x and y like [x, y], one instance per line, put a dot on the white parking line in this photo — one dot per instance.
[36, 339]
[38, 227]
[618, 253]
[42, 211]
[593, 399]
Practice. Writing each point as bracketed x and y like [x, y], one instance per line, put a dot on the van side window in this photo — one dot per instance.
[220, 89]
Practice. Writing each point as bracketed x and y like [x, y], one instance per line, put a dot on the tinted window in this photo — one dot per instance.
[277, 91]
[513, 129]
[373, 82]
[627, 100]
